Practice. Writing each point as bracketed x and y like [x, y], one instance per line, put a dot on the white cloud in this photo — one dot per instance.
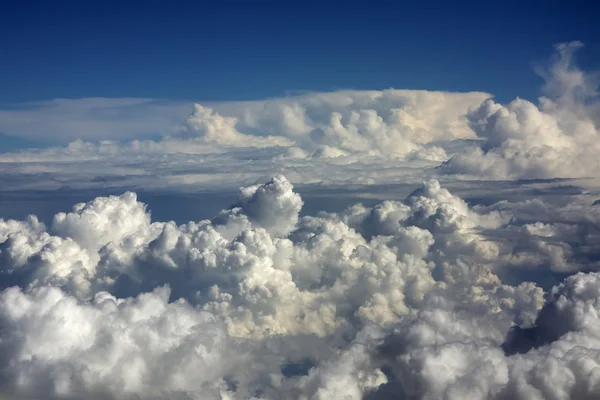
[111, 346]
[260, 303]
[310, 138]
[557, 138]
[452, 289]
[389, 123]
[372, 136]
[442, 354]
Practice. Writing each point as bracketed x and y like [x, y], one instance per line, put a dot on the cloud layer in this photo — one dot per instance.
[480, 281]
[364, 137]
[62, 120]
[402, 300]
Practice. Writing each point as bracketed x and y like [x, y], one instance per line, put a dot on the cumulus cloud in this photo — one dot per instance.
[441, 355]
[311, 138]
[358, 137]
[389, 123]
[445, 289]
[556, 138]
[407, 299]
[384, 123]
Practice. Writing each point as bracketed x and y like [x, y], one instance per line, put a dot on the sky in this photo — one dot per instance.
[265, 201]
[211, 51]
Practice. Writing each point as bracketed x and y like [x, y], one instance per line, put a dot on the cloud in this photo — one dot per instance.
[109, 346]
[311, 138]
[441, 284]
[61, 120]
[389, 123]
[358, 137]
[463, 360]
[405, 299]
[557, 138]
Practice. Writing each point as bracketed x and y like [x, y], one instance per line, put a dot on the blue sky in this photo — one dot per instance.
[200, 51]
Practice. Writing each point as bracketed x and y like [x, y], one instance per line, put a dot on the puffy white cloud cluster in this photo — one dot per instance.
[310, 138]
[337, 138]
[445, 354]
[420, 298]
[389, 123]
[557, 138]
[424, 297]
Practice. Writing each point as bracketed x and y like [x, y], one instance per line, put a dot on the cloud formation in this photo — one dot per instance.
[358, 137]
[311, 138]
[62, 120]
[406, 299]
[557, 138]
[389, 123]
[459, 287]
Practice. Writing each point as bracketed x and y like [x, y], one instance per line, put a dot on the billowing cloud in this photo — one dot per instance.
[405, 299]
[389, 123]
[310, 138]
[556, 138]
[470, 271]
[358, 137]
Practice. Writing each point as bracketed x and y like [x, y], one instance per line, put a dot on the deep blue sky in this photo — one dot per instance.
[196, 50]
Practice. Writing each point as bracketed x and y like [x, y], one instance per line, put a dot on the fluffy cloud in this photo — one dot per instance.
[443, 354]
[389, 123]
[405, 299]
[358, 137]
[557, 138]
[110, 346]
[452, 289]
[310, 138]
